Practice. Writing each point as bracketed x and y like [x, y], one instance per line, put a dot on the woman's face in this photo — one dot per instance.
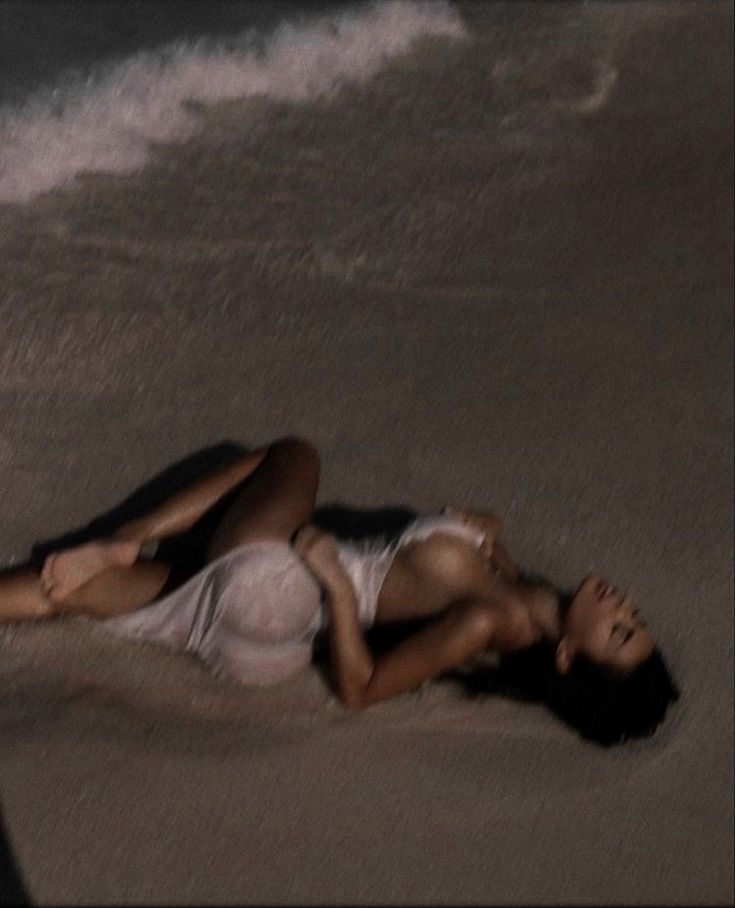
[605, 626]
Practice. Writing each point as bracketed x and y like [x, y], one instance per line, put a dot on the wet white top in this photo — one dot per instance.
[369, 561]
[254, 613]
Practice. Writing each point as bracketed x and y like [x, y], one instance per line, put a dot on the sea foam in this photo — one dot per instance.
[109, 122]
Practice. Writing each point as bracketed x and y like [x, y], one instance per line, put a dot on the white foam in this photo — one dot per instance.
[108, 124]
[605, 81]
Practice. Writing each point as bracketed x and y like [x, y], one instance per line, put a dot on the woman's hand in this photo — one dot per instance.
[351, 661]
[318, 550]
[485, 521]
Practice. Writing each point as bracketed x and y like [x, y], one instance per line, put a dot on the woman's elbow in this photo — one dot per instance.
[353, 700]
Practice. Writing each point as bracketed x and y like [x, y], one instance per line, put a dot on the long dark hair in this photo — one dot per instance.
[602, 705]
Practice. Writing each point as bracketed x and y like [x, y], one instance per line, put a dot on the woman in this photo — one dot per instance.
[272, 583]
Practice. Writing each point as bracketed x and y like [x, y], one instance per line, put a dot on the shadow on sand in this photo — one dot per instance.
[186, 551]
[12, 890]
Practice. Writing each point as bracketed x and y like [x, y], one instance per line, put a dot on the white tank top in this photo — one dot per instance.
[367, 562]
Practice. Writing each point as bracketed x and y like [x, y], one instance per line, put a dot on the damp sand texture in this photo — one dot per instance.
[479, 253]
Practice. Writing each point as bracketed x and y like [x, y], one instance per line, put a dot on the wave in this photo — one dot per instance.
[110, 122]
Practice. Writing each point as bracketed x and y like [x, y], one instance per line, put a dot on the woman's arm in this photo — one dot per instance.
[502, 560]
[492, 550]
[483, 520]
[464, 631]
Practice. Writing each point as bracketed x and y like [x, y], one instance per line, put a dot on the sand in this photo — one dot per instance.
[540, 325]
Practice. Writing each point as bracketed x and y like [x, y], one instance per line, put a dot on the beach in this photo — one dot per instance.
[480, 254]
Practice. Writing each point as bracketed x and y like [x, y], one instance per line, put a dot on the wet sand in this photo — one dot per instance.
[515, 296]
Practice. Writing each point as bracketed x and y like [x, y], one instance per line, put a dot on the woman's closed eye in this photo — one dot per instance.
[637, 615]
[621, 633]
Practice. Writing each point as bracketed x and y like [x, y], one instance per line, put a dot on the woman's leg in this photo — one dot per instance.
[67, 570]
[275, 501]
[262, 632]
[21, 596]
[112, 592]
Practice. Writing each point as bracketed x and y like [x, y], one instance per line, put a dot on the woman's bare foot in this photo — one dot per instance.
[64, 572]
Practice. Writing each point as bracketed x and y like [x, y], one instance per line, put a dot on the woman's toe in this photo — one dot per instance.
[47, 590]
[49, 568]
[56, 593]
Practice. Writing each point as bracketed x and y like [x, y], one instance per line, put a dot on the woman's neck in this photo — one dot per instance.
[543, 607]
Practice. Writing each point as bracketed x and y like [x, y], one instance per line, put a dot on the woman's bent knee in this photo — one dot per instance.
[293, 448]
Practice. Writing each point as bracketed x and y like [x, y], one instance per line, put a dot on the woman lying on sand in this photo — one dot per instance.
[264, 595]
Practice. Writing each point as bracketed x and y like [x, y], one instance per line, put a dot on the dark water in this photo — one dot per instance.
[90, 86]
[41, 43]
